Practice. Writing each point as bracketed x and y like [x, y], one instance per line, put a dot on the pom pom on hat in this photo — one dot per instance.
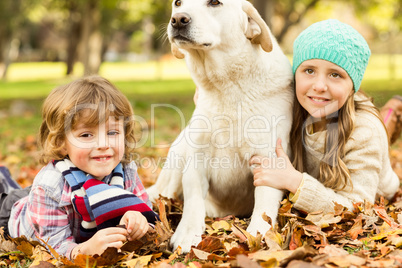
[336, 42]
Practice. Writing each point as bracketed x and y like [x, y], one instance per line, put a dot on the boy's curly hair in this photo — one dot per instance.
[90, 100]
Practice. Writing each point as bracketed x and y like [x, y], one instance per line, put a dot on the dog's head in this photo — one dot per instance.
[205, 24]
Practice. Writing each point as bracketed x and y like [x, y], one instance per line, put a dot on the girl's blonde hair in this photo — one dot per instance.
[334, 173]
[90, 100]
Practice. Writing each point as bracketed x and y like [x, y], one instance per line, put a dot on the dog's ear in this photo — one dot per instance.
[176, 52]
[257, 30]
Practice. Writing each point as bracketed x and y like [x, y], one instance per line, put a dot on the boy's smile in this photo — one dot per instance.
[96, 150]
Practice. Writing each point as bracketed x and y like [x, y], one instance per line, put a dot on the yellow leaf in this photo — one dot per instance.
[386, 234]
[253, 242]
[54, 252]
[192, 265]
[274, 236]
[268, 255]
[221, 225]
[396, 241]
[269, 264]
[13, 159]
[138, 262]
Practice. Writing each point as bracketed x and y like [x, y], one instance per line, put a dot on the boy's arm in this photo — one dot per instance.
[40, 215]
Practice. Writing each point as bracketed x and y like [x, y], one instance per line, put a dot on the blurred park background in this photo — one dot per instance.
[45, 43]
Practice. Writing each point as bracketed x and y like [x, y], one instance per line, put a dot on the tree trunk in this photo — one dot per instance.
[75, 31]
[4, 41]
[91, 38]
[289, 23]
[266, 9]
[11, 54]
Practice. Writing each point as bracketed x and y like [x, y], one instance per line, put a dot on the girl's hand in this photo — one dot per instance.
[277, 172]
[136, 224]
[109, 237]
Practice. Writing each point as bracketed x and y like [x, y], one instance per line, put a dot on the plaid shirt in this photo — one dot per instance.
[47, 212]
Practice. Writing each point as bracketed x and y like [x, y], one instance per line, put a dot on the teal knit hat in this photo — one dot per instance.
[336, 42]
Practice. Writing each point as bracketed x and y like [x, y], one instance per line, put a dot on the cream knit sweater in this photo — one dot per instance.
[367, 158]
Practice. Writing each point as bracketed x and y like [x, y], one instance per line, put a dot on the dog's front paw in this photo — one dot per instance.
[186, 235]
[258, 225]
[153, 193]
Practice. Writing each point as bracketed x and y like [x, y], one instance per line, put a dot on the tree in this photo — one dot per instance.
[291, 11]
[13, 14]
[74, 33]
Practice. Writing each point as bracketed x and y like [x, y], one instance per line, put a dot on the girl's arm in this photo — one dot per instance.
[277, 172]
[368, 162]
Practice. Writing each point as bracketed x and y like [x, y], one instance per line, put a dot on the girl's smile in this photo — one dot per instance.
[319, 100]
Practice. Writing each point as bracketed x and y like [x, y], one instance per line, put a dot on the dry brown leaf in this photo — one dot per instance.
[333, 250]
[323, 220]
[210, 244]
[7, 246]
[26, 248]
[109, 257]
[347, 260]
[42, 264]
[296, 239]
[357, 228]
[244, 262]
[267, 255]
[299, 254]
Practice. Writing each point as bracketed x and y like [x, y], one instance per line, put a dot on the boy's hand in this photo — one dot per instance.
[276, 172]
[109, 237]
[136, 224]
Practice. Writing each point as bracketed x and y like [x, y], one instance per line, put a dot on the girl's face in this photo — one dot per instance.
[96, 150]
[322, 87]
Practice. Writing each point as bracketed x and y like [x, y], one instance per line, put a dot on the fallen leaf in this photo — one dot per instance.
[323, 220]
[200, 254]
[138, 262]
[347, 260]
[357, 228]
[210, 244]
[296, 240]
[42, 264]
[244, 262]
[267, 255]
[333, 250]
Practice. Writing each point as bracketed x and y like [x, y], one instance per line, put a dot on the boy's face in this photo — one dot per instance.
[96, 150]
[322, 87]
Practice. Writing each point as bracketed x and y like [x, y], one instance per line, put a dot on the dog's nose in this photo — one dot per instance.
[180, 20]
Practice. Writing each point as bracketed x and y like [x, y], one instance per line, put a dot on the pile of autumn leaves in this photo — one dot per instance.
[369, 236]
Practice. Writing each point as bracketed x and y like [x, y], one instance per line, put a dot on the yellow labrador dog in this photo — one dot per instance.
[244, 105]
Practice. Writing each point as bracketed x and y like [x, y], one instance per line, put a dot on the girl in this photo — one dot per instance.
[89, 185]
[338, 141]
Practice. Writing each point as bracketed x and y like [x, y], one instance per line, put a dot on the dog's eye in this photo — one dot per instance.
[177, 3]
[214, 3]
